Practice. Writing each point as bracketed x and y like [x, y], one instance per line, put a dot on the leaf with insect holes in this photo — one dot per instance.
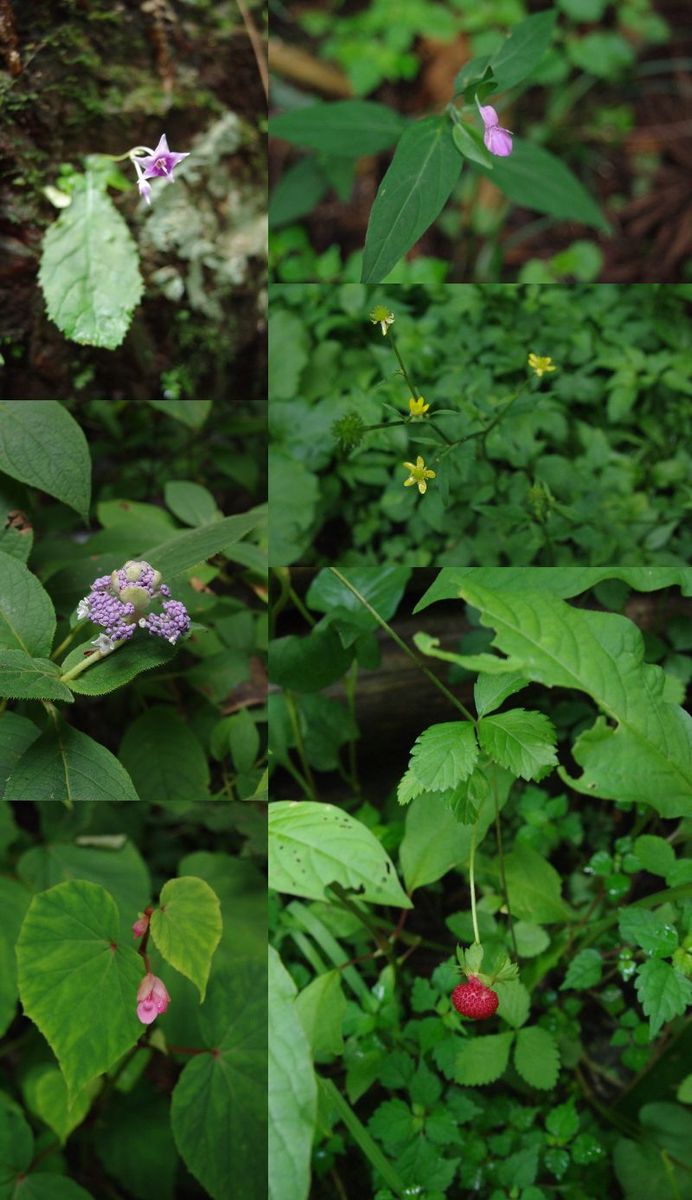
[186, 928]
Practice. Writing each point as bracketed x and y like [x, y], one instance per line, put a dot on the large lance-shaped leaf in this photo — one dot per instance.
[27, 617]
[77, 983]
[645, 753]
[522, 51]
[186, 928]
[352, 127]
[312, 845]
[89, 271]
[292, 1091]
[187, 549]
[67, 765]
[218, 1112]
[539, 180]
[41, 444]
[425, 167]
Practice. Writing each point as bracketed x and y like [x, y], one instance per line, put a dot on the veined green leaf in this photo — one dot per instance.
[646, 755]
[41, 444]
[539, 180]
[349, 127]
[425, 167]
[186, 928]
[27, 617]
[124, 664]
[312, 845]
[67, 765]
[89, 270]
[77, 983]
[522, 51]
[185, 550]
[536, 1057]
[25, 678]
[482, 1059]
[521, 741]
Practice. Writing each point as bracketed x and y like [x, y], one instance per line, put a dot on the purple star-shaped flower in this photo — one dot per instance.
[161, 161]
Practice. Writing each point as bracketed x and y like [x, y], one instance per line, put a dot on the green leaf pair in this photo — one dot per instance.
[483, 1059]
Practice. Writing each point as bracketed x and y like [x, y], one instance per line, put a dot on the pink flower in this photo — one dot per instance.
[152, 999]
[140, 926]
[497, 140]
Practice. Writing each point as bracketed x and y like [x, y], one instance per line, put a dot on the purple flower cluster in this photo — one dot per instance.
[108, 611]
[118, 602]
[172, 624]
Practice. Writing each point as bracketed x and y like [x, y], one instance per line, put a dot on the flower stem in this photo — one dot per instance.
[402, 645]
[414, 393]
[66, 641]
[472, 882]
[89, 661]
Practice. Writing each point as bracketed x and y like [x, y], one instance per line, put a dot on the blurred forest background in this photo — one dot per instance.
[612, 99]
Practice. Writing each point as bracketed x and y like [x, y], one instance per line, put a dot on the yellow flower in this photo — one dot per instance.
[418, 408]
[382, 316]
[419, 474]
[541, 365]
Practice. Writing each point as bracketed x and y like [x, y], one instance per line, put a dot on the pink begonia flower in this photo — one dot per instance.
[152, 999]
[140, 927]
[497, 140]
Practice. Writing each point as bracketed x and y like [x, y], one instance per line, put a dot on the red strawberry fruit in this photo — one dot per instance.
[475, 1000]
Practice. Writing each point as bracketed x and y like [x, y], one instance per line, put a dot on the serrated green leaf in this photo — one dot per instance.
[392, 1123]
[408, 788]
[165, 758]
[321, 1007]
[515, 1001]
[25, 678]
[492, 664]
[425, 168]
[563, 1121]
[193, 546]
[190, 502]
[27, 617]
[482, 1059]
[123, 665]
[219, 1105]
[531, 939]
[646, 755]
[41, 444]
[186, 928]
[643, 928]
[351, 127]
[89, 272]
[521, 741]
[490, 691]
[292, 1091]
[444, 754]
[522, 51]
[663, 993]
[67, 765]
[584, 970]
[435, 842]
[77, 982]
[312, 845]
[536, 1057]
[533, 887]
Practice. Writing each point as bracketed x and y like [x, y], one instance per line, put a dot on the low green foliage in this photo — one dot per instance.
[588, 463]
[566, 894]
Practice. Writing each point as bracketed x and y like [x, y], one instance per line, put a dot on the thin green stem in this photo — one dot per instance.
[402, 645]
[472, 883]
[501, 861]
[307, 616]
[411, 386]
[300, 745]
[333, 1098]
[89, 661]
[350, 683]
[68, 640]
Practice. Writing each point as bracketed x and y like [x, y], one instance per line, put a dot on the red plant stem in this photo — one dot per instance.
[188, 1050]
